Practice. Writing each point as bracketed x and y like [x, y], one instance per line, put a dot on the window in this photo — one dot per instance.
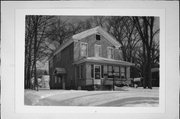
[105, 70]
[97, 50]
[84, 48]
[98, 37]
[92, 71]
[110, 52]
[59, 78]
[110, 71]
[78, 71]
[102, 71]
[81, 72]
[55, 79]
[122, 72]
[116, 72]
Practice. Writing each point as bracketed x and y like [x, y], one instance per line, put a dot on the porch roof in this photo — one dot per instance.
[104, 61]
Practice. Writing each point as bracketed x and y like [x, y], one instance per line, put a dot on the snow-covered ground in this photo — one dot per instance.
[125, 96]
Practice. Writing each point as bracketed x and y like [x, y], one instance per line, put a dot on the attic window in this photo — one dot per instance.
[98, 37]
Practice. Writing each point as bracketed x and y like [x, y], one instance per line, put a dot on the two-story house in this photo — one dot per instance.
[89, 59]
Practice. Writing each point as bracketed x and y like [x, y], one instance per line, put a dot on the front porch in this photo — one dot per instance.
[102, 73]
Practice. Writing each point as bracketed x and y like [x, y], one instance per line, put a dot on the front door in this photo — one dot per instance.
[59, 82]
[97, 71]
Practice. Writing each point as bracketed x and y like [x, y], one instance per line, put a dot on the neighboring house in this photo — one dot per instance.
[155, 76]
[87, 60]
[44, 82]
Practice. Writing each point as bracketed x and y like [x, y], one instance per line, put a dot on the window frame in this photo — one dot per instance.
[123, 72]
[102, 71]
[117, 72]
[100, 50]
[86, 49]
[81, 71]
[99, 71]
[98, 35]
[108, 71]
[105, 70]
[111, 55]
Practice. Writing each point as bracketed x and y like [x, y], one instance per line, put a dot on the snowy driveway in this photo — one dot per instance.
[121, 97]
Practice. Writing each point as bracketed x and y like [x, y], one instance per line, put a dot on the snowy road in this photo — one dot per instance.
[121, 97]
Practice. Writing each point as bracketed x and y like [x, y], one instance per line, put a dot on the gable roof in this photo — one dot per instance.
[86, 33]
[97, 30]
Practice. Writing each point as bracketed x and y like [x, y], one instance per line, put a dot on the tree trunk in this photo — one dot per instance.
[35, 52]
[144, 66]
[28, 74]
[149, 76]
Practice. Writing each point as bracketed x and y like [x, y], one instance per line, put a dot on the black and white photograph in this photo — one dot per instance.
[91, 61]
[94, 59]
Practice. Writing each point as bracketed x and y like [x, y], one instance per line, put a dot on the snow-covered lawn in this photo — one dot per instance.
[125, 96]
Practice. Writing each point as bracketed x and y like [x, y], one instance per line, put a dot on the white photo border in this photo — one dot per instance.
[12, 61]
[20, 43]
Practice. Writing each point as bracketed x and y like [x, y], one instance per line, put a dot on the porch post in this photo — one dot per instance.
[113, 77]
[93, 84]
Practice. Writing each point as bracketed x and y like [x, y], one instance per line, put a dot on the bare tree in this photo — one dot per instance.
[28, 50]
[58, 31]
[123, 29]
[145, 27]
[115, 27]
[99, 21]
[35, 36]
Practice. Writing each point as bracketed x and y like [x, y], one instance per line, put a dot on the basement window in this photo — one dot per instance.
[98, 37]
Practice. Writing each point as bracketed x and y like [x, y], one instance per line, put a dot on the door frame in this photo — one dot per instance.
[99, 72]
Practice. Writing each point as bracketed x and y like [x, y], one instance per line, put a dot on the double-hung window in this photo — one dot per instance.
[123, 73]
[102, 71]
[81, 71]
[97, 50]
[116, 72]
[110, 52]
[84, 49]
[110, 71]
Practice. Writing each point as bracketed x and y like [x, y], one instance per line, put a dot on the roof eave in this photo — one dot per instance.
[105, 62]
